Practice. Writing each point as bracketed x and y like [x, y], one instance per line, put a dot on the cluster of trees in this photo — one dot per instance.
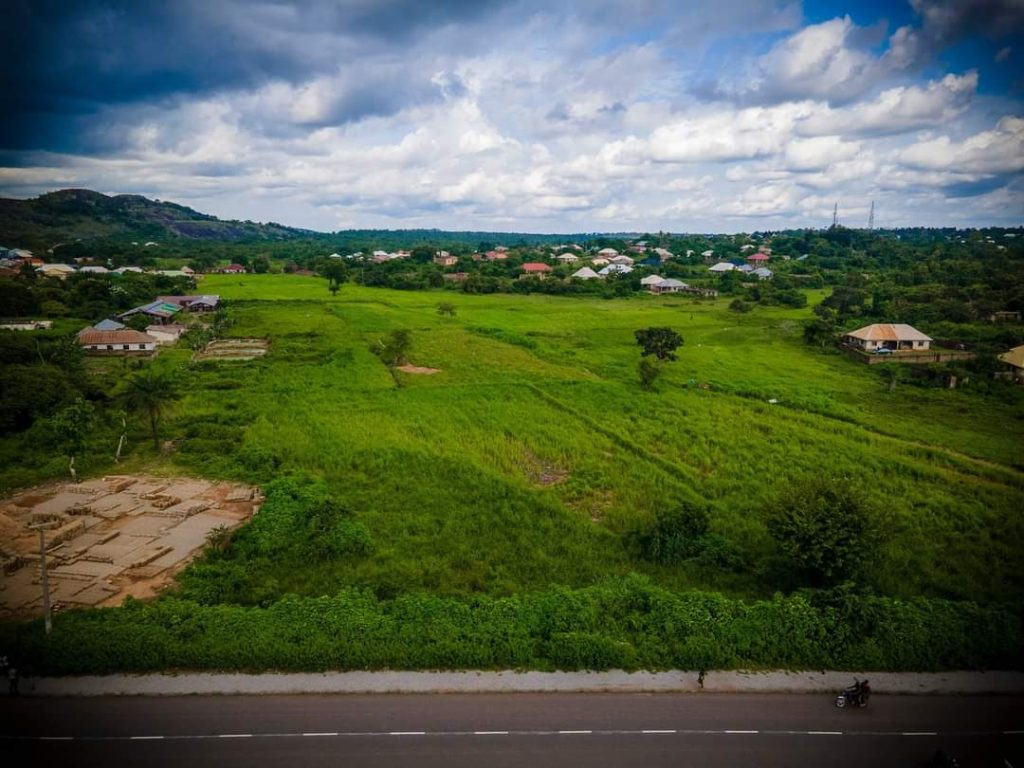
[86, 296]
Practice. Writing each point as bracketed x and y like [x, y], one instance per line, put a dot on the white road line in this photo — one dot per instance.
[1012, 733]
[919, 733]
[656, 731]
[144, 738]
[56, 738]
[824, 733]
[490, 733]
[234, 735]
[322, 733]
[732, 732]
[407, 733]
[573, 733]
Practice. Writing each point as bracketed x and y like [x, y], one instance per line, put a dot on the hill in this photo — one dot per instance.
[73, 214]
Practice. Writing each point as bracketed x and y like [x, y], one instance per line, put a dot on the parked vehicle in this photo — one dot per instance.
[856, 695]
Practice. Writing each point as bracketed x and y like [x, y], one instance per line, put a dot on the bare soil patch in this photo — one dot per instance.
[233, 349]
[110, 537]
[417, 369]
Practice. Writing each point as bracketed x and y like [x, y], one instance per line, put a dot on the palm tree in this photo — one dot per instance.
[151, 391]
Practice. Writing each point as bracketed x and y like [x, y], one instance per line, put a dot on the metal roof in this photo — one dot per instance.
[889, 332]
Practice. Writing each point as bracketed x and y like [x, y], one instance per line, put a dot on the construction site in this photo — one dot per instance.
[108, 538]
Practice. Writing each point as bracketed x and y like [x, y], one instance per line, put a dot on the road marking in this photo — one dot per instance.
[524, 732]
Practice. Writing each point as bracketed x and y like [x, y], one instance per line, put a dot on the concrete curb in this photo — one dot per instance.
[617, 681]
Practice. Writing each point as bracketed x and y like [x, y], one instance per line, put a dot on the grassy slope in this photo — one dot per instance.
[449, 470]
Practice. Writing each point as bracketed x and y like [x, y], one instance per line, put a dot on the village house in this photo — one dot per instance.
[664, 254]
[651, 280]
[121, 342]
[599, 261]
[883, 338]
[204, 303]
[763, 273]
[159, 311]
[568, 258]
[534, 269]
[93, 269]
[26, 325]
[166, 334]
[585, 273]
[232, 269]
[669, 286]
[758, 258]
[1015, 360]
[626, 260]
[60, 271]
[722, 266]
[608, 253]
[615, 269]
[445, 259]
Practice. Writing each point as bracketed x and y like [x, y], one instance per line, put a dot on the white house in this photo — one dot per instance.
[600, 261]
[56, 270]
[612, 269]
[166, 334]
[895, 337]
[568, 258]
[585, 273]
[669, 286]
[763, 273]
[624, 260]
[608, 252]
[651, 280]
[722, 266]
[94, 270]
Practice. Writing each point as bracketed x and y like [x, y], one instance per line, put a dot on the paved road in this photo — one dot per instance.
[511, 729]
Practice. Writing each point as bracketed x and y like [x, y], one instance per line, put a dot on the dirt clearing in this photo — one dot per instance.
[110, 537]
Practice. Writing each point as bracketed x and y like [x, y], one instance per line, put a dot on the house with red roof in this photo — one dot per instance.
[535, 269]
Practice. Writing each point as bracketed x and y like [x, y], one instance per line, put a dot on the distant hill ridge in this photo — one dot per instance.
[71, 214]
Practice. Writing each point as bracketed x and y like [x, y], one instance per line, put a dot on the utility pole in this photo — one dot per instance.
[871, 217]
[41, 527]
[835, 215]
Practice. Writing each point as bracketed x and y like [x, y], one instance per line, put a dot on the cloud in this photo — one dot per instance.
[897, 110]
[998, 151]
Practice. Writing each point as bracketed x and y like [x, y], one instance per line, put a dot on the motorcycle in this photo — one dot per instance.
[856, 695]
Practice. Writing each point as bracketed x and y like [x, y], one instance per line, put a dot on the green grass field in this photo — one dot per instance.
[524, 461]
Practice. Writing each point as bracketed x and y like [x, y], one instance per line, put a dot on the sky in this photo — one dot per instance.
[527, 115]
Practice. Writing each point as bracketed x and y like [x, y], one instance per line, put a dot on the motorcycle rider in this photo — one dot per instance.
[860, 693]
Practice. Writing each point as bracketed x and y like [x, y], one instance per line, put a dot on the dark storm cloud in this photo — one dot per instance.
[69, 59]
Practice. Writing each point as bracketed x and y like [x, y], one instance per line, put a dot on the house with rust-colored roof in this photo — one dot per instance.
[535, 269]
[122, 342]
[888, 337]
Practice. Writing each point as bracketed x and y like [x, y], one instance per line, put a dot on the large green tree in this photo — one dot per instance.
[824, 528]
[151, 391]
[660, 342]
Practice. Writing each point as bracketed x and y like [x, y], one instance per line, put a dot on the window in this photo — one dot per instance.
[126, 346]
[110, 347]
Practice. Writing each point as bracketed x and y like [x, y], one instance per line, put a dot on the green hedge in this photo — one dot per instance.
[624, 623]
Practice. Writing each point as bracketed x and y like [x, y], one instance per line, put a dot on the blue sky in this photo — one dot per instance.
[527, 115]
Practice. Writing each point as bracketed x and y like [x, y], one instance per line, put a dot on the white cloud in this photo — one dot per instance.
[990, 152]
[897, 110]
